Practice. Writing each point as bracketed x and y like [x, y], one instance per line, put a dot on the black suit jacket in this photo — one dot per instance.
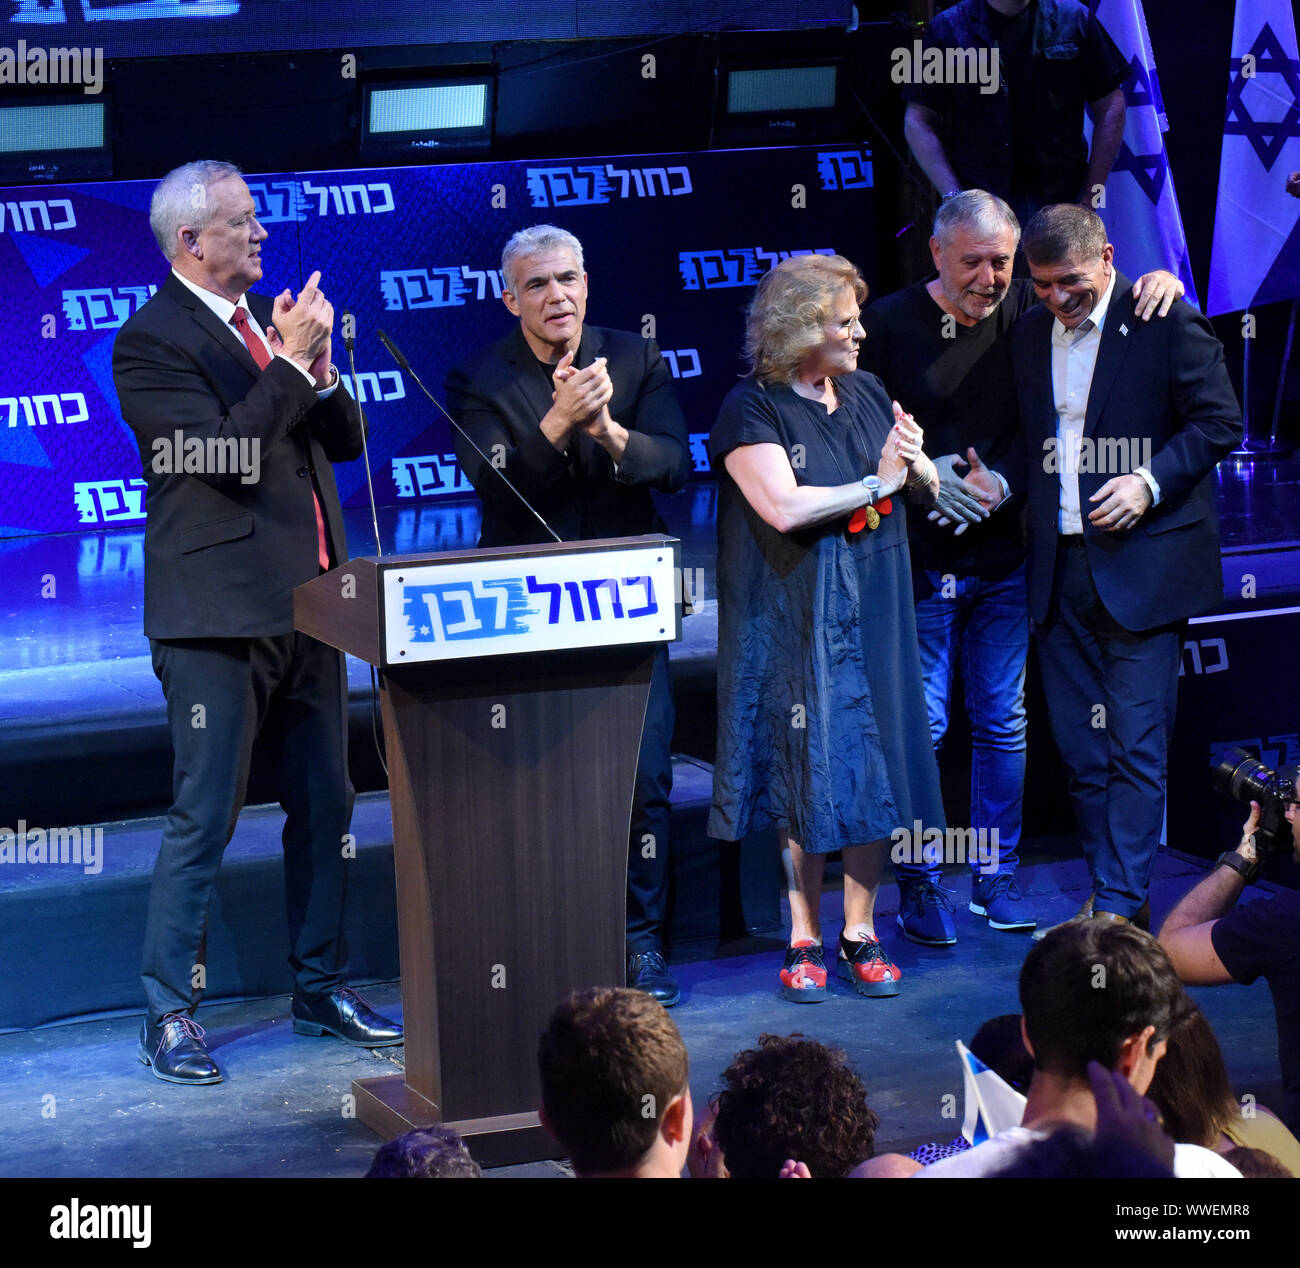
[222, 556]
[499, 396]
[1161, 381]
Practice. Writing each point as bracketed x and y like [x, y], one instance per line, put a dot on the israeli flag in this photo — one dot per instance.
[1141, 208]
[1256, 257]
[992, 1104]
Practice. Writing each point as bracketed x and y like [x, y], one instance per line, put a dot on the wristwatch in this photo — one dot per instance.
[873, 485]
[1246, 870]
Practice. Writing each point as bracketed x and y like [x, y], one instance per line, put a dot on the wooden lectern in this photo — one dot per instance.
[514, 687]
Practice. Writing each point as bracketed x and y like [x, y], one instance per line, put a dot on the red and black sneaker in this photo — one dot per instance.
[866, 965]
[803, 977]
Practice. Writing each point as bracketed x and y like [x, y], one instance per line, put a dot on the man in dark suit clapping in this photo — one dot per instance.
[584, 422]
[1123, 422]
[238, 413]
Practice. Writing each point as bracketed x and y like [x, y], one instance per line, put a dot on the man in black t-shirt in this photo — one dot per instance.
[1024, 139]
[1212, 941]
[942, 350]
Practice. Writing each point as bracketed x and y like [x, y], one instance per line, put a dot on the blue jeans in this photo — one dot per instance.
[987, 622]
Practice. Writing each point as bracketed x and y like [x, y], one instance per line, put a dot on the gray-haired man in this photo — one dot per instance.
[942, 348]
[586, 423]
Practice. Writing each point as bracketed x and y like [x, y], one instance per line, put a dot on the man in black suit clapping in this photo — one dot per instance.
[238, 413]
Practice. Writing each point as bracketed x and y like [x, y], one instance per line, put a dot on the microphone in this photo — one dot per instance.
[349, 342]
[404, 364]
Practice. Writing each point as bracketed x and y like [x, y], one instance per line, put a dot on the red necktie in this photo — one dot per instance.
[262, 355]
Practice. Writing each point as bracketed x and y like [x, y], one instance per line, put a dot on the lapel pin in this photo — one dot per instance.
[1123, 330]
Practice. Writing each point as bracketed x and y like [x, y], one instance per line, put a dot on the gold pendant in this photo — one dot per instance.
[873, 517]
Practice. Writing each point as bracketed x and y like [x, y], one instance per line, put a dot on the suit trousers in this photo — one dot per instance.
[1111, 694]
[647, 852]
[222, 694]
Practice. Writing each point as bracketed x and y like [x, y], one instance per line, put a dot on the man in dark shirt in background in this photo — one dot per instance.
[940, 347]
[1024, 140]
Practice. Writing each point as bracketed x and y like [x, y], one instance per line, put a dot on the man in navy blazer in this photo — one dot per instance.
[584, 422]
[1123, 423]
[238, 414]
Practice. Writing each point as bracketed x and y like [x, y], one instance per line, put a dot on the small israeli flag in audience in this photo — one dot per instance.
[992, 1104]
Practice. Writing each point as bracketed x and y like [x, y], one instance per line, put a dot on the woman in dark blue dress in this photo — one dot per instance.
[822, 724]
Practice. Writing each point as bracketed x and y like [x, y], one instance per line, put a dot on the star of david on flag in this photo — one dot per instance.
[1256, 256]
[1141, 209]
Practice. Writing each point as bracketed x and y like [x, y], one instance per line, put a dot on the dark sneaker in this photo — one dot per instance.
[646, 971]
[998, 898]
[866, 965]
[925, 914]
[803, 977]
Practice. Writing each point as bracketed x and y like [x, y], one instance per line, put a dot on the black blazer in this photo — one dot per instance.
[499, 396]
[222, 556]
[1161, 381]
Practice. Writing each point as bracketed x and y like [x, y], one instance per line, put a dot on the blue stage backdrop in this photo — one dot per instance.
[673, 244]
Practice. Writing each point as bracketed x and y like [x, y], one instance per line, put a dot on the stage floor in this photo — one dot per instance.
[76, 1102]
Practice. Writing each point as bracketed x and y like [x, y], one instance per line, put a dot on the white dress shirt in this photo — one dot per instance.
[1074, 359]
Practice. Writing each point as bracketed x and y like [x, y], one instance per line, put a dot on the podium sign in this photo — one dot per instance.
[492, 607]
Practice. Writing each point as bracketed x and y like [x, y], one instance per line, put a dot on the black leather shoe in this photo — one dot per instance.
[174, 1050]
[646, 971]
[345, 1015]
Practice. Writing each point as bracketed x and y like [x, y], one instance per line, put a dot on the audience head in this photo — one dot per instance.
[793, 1098]
[1094, 990]
[429, 1153]
[792, 306]
[615, 1088]
[1191, 1088]
[1000, 1044]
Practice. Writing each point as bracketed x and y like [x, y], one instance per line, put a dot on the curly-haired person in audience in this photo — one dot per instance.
[1192, 1092]
[430, 1153]
[791, 1099]
[615, 1089]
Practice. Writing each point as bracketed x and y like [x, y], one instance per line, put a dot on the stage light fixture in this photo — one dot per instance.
[419, 118]
[782, 103]
[780, 89]
[55, 139]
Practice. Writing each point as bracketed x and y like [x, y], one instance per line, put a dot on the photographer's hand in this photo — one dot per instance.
[1246, 848]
